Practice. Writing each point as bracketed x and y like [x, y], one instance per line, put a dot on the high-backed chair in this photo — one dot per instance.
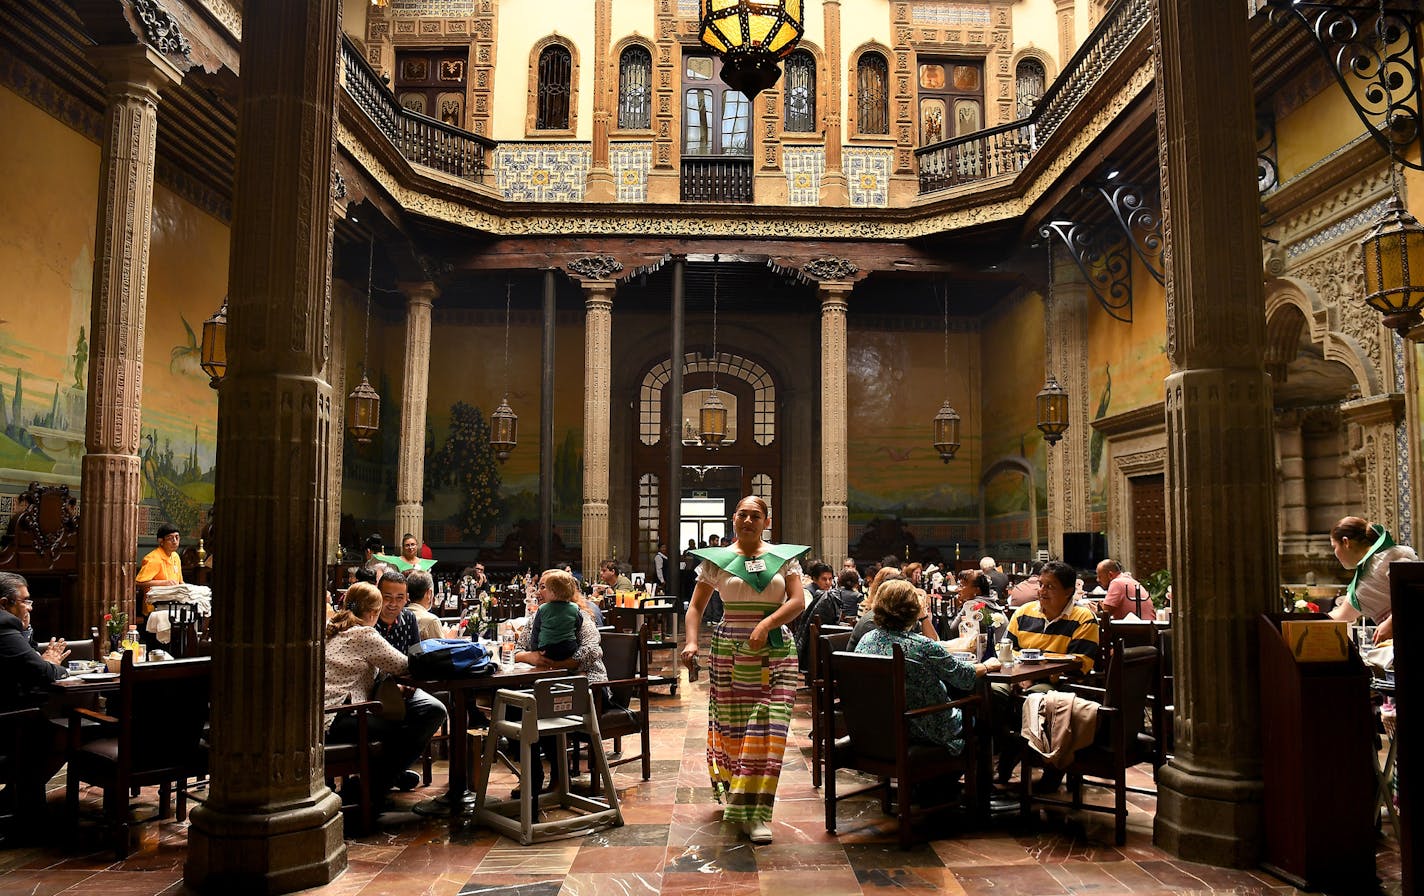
[871, 691]
[825, 640]
[353, 761]
[625, 656]
[24, 792]
[153, 735]
[1132, 674]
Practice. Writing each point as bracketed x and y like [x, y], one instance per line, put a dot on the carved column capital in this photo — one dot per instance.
[419, 292]
[133, 68]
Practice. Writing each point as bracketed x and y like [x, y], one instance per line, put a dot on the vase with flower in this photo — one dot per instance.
[115, 623]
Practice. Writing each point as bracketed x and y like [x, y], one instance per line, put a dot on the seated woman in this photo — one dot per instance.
[355, 653]
[974, 589]
[933, 675]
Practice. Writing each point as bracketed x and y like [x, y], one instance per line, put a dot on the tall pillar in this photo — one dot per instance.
[335, 374]
[833, 181]
[109, 471]
[1294, 507]
[599, 187]
[1220, 460]
[546, 421]
[270, 824]
[1067, 30]
[597, 407]
[835, 521]
[1374, 454]
[410, 467]
[1069, 473]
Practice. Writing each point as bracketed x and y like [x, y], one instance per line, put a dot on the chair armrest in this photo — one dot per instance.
[362, 707]
[1096, 694]
[941, 707]
[80, 711]
[619, 682]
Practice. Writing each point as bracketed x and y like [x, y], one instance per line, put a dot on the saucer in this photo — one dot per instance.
[97, 676]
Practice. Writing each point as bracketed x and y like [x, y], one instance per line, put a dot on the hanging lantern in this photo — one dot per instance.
[1052, 411]
[363, 412]
[1394, 256]
[752, 37]
[712, 420]
[213, 354]
[946, 432]
[504, 430]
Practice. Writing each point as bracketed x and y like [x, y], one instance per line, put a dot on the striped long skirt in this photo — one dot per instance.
[749, 715]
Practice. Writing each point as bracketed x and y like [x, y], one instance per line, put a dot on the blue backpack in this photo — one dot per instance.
[443, 658]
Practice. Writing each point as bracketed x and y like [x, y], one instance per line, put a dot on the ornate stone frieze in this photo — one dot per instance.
[160, 28]
[338, 185]
[1340, 282]
[830, 268]
[229, 15]
[595, 267]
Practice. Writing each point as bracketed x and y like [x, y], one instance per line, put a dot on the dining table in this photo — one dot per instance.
[1020, 673]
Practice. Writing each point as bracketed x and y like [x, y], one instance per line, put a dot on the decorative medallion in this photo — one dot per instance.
[160, 28]
[595, 267]
[830, 268]
[338, 185]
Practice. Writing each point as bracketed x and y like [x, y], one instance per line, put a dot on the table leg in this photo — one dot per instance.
[459, 800]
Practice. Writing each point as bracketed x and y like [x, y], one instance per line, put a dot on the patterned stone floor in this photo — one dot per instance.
[673, 843]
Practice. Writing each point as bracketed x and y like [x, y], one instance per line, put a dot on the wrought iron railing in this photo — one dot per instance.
[1007, 148]
[420, 139]
[720, 179]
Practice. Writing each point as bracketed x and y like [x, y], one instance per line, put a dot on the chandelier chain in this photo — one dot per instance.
[366, 337]
[1388, 98]
[508, 300]
[944, 288]
[715, 261]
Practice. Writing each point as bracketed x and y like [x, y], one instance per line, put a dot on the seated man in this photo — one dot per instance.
[397, 624]
[1124, 594]
[31, 756]
[162, 565]
[420, 589]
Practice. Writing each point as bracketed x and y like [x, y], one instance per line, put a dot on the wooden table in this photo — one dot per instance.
[459, 800]
[1017, 674]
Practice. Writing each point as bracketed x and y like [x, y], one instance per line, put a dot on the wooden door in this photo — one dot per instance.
[1149, 524]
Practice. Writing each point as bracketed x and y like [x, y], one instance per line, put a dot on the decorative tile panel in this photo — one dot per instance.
[630, 163]
[545, 172]
[409, 9]
[804, 167]
[950, 14]
[689, 9]
[867, 174]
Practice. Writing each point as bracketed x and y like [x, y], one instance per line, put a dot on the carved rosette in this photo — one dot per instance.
[595, 267]
[160, 29]
[830, 268]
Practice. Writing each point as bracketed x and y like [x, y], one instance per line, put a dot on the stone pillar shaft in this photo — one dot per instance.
[597, 397]
[270, 824]
[833, 182]
[599, 187]
[835, 520]
[109, 471]
[1069, 473]
[1220, 457]
[336, 375]
[1372, 423]
[410, 466]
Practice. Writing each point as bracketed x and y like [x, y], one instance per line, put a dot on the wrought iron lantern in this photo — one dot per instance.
[213, 354]
[1394, 267]
[1052, 411]
[504, 430]
[712, 422]
[363, 412]
[751, 37]
[946, 432]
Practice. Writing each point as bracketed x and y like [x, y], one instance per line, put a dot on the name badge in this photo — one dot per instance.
[757, 565]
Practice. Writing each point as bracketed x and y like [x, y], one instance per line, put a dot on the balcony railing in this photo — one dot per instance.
[1007, 148]
[720, 179]
[420, 139]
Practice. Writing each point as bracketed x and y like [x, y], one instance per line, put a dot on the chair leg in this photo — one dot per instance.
[885, 796]
[902, 810]
[1075, 788]
[165, 799]
[828, 794]
[1025, 786]
[1120, 807]
[182, 800]
[645, 739]
[71, 797]
[368, 811]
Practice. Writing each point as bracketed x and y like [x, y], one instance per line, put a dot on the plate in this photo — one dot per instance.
[97, 676]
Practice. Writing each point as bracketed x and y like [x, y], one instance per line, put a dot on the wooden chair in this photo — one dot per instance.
[871, 691]
[1131, 675]
[153, 735]
[346, 761]
[625, 656]
[23, 791]
[825, 719]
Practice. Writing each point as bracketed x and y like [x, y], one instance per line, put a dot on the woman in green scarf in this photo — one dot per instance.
[1368, 549]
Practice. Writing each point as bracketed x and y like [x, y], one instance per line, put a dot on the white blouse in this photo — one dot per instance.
[352, 659]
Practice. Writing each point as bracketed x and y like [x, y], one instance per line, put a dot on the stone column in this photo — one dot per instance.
[1373, 452]
[410, 465]
[597, 408]
[835, 521]
[1069, 473]
[1294, 508]
[270, 824]
[833, 181]
[1067, 31]
[335, 374]
[599, 186]
[1220, 460]
[109, 472]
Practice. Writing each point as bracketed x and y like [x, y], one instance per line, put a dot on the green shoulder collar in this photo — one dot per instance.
[775, 556]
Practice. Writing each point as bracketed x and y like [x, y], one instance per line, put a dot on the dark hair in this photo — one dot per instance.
[394, 575]
[818, 569]
[609, 564]
[361, 599]
[418, 584]
[411, 537]
[166, 530]
[975, 577]
[368, 574]
[375, 542]
[1066, 575]
[1353, 528]
[10, 585]
[897, 605]
[1036, 567]
[848, 579]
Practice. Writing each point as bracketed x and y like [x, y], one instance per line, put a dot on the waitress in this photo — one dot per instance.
[760, 584]
[1368, 549]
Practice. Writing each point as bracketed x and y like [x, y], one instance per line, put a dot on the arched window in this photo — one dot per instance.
[635, 75]
[1030, 79]
[800, 93]
[555, 71]
[872, 78]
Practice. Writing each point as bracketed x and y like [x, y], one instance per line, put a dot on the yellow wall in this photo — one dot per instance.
[522, 24]
[1036, 25]
[1013, 374]
[629, 19]
[861, 23]
[1322, 125]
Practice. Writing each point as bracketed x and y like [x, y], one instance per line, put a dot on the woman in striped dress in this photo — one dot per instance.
[754, 670]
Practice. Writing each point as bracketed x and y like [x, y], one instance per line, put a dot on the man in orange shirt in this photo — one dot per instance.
[162, 565]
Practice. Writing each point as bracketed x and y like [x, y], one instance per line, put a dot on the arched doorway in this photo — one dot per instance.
[749, 461]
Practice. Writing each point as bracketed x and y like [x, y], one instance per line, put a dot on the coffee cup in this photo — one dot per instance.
[963, 656]
[1030, 654]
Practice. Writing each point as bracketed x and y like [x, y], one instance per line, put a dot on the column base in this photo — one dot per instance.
[835, 533]
[598, 186]
[1212, 820]
[833, 190]
[266, 852]
[409, 518]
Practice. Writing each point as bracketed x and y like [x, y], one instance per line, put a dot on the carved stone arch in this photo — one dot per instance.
[1011, 464]
[615, 59]
[1282, 292]
[851, 118]
[531, 113]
